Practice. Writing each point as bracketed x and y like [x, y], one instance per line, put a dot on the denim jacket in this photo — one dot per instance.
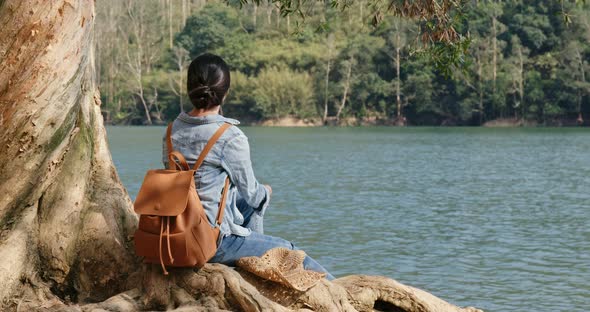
[229, 156]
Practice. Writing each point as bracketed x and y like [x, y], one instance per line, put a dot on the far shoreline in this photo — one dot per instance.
[293, 122]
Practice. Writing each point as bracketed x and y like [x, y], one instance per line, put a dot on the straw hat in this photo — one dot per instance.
[283, 266]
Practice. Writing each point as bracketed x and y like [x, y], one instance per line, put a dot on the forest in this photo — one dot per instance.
[526, 64]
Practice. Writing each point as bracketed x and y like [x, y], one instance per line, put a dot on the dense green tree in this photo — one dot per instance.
[211, 28]
[281, 92]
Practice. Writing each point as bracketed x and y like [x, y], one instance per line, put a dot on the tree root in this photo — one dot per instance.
[216, 287]
[370, 293]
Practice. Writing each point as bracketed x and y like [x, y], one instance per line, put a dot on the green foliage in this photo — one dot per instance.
[213, 27]
[514, 60]
[281, 92]
[240, 101]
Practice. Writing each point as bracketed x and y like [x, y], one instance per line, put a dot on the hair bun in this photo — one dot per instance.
[207, 81]
[202, 92]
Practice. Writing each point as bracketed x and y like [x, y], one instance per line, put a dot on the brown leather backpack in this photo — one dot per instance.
[173, 227]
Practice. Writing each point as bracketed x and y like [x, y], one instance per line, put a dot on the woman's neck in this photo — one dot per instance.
[198, 112]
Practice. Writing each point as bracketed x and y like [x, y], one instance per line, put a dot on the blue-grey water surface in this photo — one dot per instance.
[493, 218]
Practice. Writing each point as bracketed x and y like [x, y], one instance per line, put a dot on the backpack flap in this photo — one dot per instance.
[164, 192]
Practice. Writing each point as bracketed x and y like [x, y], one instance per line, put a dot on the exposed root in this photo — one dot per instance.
[370, 293]
[219, 288]
[227, 288]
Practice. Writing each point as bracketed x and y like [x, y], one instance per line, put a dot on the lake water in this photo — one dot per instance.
[494, 218]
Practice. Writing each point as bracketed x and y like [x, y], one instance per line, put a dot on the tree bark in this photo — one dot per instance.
[181, 58]
[521, 83]
[184, 9]
[254, 14]
[65, 216]
[66, 220]
[494, 60]
[480, 88]
[325, 113]
[398, 98]
[330, 46]
[288, 24]
[189, 9]
[278, 10]
[134, 62]
[269, 9]
[169, 2]
[346, 87]
[218, 288]
[580, 61]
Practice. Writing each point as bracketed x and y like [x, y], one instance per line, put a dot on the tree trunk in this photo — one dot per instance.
[330, 46]
[521, 83]
[398, 98]
[170, 43]
[146, 109]
[135, 64]
[361, 17]
[494, 60]
[269, 9]
[184, 9]
[346, 87]
[580, 60]
[278, 10]
[480, 88]
[181, 56]
[65, 216]
[254, 14]
[325, 114]
[67, 221]
[177, 85]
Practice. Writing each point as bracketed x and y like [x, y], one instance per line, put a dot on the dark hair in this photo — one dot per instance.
[208, 81]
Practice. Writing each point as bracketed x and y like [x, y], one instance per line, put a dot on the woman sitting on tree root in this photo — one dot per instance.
[241, 232]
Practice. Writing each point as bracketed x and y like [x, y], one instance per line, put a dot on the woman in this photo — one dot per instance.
[241, 232]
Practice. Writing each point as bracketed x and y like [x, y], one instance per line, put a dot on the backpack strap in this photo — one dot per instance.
[172, 161]
[168, 139]
[200, 160]
[210, 144]
[172, 154]
[222, 203]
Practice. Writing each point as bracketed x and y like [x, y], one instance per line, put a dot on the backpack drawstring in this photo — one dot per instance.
[160, 247]
[167, 243]
[168, 239]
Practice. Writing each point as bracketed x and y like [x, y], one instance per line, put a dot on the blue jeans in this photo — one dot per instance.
[233, 247]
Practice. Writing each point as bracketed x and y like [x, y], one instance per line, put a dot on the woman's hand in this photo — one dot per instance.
[269, 189]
